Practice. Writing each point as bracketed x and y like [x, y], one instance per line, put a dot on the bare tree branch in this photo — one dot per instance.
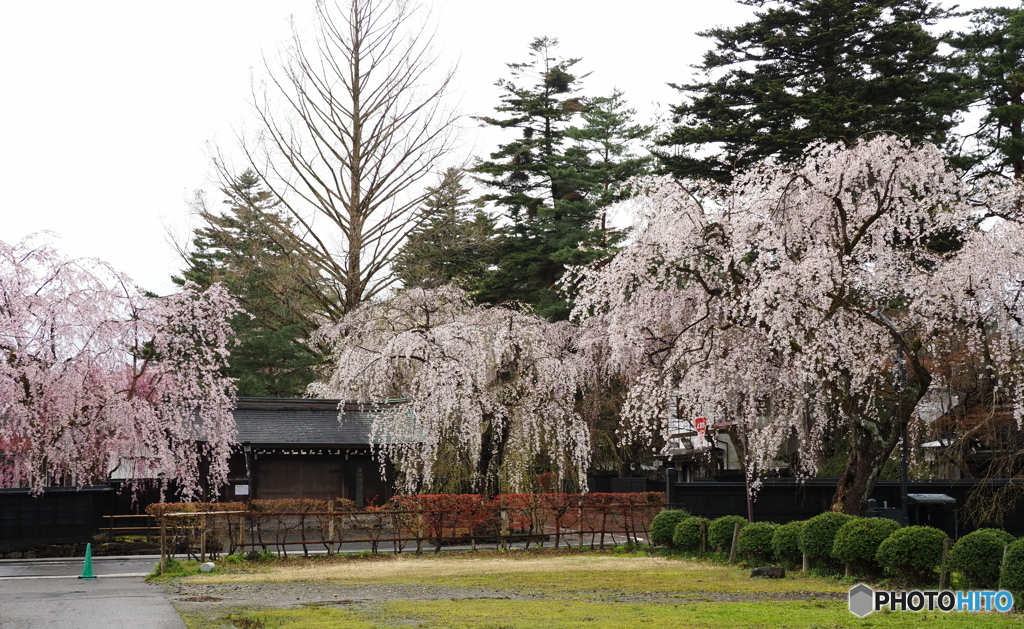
[363, 118]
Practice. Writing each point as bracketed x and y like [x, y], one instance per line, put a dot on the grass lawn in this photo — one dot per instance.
[532, 590]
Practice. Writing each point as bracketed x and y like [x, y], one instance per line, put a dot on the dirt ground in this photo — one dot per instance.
[208, 598]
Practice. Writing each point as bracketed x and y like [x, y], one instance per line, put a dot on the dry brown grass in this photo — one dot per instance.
[577, 572]
[409, 567]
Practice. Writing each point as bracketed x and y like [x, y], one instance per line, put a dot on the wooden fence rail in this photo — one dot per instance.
[227, 530]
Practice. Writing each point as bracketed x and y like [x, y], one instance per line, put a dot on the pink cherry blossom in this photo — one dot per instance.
[783, 300]
[94, 374]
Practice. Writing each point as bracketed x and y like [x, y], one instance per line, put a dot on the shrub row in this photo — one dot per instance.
[866, 545]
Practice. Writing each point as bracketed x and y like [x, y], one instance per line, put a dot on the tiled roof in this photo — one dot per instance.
[301, 422]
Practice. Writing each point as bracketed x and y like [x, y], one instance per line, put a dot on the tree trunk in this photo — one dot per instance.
[872, 443]
[492, 457]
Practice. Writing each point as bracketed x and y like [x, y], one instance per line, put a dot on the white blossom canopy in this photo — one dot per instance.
[784, 300]
[497, 385]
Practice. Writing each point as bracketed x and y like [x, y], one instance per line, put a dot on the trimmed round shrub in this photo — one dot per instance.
[664, 525]
[687, 533]
[819, 533]
[912, 553]
[978, 555]
[755, 540]
[786, 542]
[856, 542]
[720, 530]
[1012, 577]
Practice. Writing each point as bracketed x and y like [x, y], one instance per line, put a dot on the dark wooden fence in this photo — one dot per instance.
[404, 522]
[59, 515]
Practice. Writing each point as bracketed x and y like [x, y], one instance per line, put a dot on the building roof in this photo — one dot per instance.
[302, 422]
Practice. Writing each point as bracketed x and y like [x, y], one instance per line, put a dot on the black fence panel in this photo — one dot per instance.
[57, 516]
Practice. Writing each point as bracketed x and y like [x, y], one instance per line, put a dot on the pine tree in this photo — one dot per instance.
[609, 139]
[454, 241]
[553, 182]
[520, 171]
[808, 70]
[243, 248]
[991, 57]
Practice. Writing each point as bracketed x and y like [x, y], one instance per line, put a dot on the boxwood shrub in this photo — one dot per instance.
[818, 535]
[978, 555]
[755, 540]
[786, 542]
[664, 525]
[856, 542]
[687, 533]
[912, 553]
[1012, 577]
[720, 530]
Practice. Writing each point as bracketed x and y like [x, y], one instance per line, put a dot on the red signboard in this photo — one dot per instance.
[701, 425]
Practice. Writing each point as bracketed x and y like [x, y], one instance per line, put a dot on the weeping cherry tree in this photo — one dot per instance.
[493, 387]
[811, 300]
[96, 375]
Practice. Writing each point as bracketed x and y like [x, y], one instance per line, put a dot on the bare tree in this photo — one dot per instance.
[352, 124]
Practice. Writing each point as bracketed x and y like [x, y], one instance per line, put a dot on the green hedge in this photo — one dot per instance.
[978, 555]
[856, 542]
[1012, 577]
[720, 530]
[912, 553]
[664, 525]
[687, 533]
[818, 535]
[756, 540]
[786, 542]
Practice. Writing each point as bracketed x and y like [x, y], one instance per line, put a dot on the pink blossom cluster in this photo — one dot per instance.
[786, 300]
[96, 375]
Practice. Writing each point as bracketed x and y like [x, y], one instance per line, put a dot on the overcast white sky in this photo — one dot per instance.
[108, 107]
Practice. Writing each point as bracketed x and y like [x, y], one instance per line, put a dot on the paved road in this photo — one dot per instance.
[72, 567]
[46, 594]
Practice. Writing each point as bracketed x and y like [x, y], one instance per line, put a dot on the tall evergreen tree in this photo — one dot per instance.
[242, 249]
[542, 196]
[991, 57]
[455, 239]
[552, 181]
[609, 140]
[809, 70]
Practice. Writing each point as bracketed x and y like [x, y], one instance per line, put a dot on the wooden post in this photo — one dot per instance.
[579, 525]
[807, 563]
[202, 538]
[944, 571]
[735, 541]
[703, 536]
[163, 545]
[330, 527]
[504, 529]
[419, 528]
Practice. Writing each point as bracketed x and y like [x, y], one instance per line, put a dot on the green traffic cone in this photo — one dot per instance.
[87, 567]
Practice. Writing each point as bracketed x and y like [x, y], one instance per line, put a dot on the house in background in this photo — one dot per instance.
[298, 448]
